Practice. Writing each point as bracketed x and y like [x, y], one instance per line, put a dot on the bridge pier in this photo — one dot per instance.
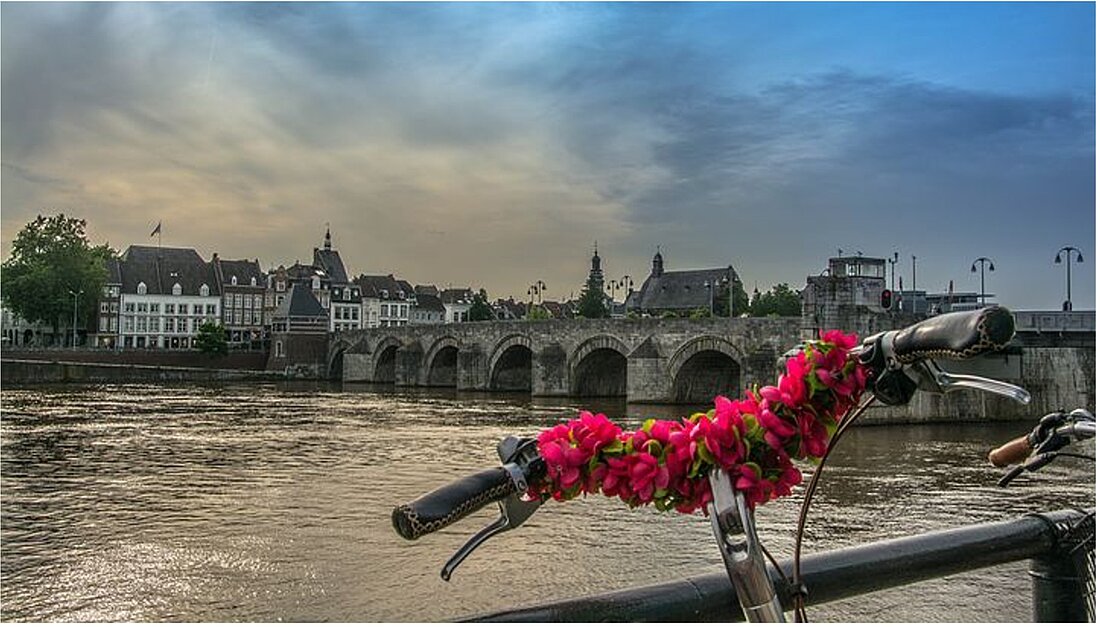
[550, 371]
[472, 366]
[410, 358]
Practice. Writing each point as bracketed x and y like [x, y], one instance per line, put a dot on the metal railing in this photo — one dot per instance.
[843, 573]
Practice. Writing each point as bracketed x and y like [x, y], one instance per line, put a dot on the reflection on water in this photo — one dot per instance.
[271, 503]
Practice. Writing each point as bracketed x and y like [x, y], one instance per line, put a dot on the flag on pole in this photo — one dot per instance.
[156, 231]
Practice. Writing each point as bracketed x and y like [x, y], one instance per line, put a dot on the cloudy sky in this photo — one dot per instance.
[491, 144]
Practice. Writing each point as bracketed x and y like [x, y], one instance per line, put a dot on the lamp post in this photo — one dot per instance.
[981, 262]
[76, 297]
[710, 295]
[536, 290]
[1068, 305]
[914, 286]
[893, 265]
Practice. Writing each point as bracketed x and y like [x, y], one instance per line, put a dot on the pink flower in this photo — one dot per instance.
[594, 432]
[646, 476]
[563, 462]
[840, 340]
[777, 430]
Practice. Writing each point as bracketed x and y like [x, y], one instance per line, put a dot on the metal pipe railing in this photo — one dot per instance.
[828, 576]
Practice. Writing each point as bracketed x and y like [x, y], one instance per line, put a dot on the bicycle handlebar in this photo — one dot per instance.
[452, 502]
[956, 335]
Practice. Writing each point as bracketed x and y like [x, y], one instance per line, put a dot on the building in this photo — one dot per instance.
[299, 332]
[19, 332]
[106, 329]
[166, 295]
[345, 300]
[847, 295]
[243, 286]
[509, 309]
[387, 302]
[428, 309]
[457, 302]
[680, 291]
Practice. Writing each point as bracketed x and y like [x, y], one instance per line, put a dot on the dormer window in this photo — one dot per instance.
[253, 281]
[141, 289]
[316, 282]
[177, 290]
[204, 290]
[401, 294]
[385, 293]
[233, 280]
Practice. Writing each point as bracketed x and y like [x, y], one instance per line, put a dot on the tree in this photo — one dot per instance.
[51, 260]
[722, 299]
[538, 312]
[210, 339]
[593, 301]
[480, 309]
[781, 300]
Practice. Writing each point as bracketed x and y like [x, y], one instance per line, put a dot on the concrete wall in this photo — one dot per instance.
[246, 360]
[22, 372]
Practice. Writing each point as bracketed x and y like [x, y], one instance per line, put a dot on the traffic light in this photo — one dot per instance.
[887, 300]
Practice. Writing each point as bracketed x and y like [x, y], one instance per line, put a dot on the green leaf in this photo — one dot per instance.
[647, 425]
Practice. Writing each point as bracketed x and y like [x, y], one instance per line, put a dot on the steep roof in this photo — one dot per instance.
[429, 302]
[114, 271]
[426, 289]
[299, 303]
[161, 268]
[683, 289]
[330, 261]
[381, 286]
[244, 269]
[453, 295]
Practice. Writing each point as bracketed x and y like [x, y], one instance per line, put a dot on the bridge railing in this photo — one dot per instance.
[1054, 321]
[843, 573]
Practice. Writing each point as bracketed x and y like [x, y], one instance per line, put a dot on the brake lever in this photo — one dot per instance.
[518, 455]
[929, 377]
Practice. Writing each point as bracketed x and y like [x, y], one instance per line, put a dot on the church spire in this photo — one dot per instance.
[328, 238]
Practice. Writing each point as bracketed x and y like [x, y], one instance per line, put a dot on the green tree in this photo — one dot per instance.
[210, 339]
[480, 309]
[51, 260]
[781, 300]
[538, 312]
[699, 313]
[722, 299]
[593, 301]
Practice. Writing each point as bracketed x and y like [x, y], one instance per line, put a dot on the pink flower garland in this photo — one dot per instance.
[666, 462]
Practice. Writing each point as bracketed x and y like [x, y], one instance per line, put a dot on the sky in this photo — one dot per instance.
[492, 145]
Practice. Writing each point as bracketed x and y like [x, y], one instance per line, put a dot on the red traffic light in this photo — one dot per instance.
[887, 300]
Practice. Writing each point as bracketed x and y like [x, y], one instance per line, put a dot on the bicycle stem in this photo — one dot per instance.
[735, 531]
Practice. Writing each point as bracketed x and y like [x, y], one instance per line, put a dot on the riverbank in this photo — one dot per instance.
[35, 371]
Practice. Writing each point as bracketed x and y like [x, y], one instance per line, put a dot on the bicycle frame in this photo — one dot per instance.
[734, 528]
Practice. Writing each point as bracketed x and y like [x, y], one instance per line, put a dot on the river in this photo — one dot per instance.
[271, 502]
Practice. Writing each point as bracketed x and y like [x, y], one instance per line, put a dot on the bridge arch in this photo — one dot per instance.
[510, 363]
[384, 364]
[335, 358]
[441, 362]
[705, 367]
[598, 367]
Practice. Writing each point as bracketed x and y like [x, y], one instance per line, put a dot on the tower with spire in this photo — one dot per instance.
[595, 275]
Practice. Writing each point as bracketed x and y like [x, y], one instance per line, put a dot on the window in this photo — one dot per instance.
[169, 308]
[316, 282]
[129, 308]
[143, 307]
[236, 316]
[204, 290]
[211, 310]
[385, 309]
[279, 300]
[354, 314]
[280, 286]
[228, 300]
[181, 325]
[114, 324]
[169, 325]
[154, 307]
[128, 324]
[279, 349]
[258, 301]
[103, 307]
[142, 324]
[176, 289]
[114, 292]
[141, 289]
[114, 307]
[183, 308]
[233, 280]
[103, 323]
[253, 283]
[154, 324]
[257, 318]
[236, 300]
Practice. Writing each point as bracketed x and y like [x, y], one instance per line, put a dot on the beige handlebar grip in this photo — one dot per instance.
[1012, 452]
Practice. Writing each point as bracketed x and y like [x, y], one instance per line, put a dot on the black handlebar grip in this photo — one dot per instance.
[958, 335]
[443, 506]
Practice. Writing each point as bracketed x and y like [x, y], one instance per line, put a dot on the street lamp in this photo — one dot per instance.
[893, 266]
[76, 296]
[537, 289]
[1068, 305]
[981, 262]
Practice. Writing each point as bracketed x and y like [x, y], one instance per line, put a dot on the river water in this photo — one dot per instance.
[271, 502]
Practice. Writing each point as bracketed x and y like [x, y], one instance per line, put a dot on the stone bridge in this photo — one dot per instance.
[645, 360]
